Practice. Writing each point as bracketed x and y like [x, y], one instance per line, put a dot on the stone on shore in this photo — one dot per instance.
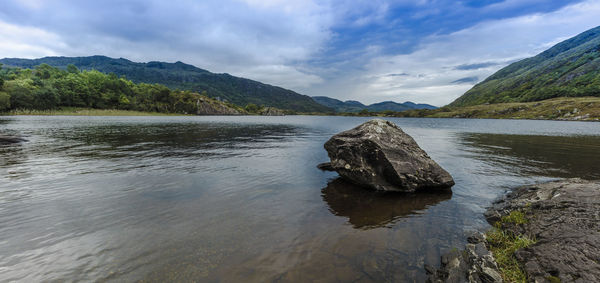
[563, 217]
[474, 264]
[379, 155]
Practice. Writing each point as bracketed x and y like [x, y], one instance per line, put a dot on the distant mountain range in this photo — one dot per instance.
[182, 76]
[569, 69]
[355, 106]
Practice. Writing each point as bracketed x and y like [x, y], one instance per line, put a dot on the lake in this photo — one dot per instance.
[239, 199]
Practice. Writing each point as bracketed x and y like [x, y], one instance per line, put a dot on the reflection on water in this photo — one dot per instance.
[366, 209]
[551, 156]
[239, 199]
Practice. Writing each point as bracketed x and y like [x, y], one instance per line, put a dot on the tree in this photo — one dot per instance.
[20, 93]
[4, 101]
[124, 102]
[45, 71]
[72, 69]
[252, 108]
[45, 98]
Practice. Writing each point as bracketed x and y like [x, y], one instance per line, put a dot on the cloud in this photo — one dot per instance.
[476, 66]
[398, 75]
[20, 41]
[367, 50]
[259, 39]
[466, 80]
[443, 60]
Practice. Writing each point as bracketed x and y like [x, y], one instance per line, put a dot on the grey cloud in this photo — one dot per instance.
[476, 66]
[466, 80]
[229, 32]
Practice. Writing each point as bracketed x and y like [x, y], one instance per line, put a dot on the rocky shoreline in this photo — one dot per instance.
[562, 219]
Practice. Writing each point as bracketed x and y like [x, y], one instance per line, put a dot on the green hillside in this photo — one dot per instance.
[182, 76]
[48, 88]
[568, 69]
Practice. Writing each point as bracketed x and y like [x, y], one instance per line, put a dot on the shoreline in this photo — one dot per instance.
[580, 109]
[548, 232]
[133, 113]
[86, 112]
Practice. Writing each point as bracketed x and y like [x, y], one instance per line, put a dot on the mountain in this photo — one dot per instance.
[419, 105]
[569, 69]
[182, 76]
[355, 106]
[388, 106]
[338, 105]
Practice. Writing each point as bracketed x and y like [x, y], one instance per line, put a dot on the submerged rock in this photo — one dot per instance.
[379, 155]
[11, 139]
[326, 166]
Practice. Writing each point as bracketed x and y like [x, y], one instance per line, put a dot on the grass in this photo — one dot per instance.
[74, 111]
[503, 245]
[515, 217]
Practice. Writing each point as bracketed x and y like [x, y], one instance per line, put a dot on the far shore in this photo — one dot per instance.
[85, 112]
[556, 109]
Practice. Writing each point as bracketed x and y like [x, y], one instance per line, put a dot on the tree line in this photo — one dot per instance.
[45, 87]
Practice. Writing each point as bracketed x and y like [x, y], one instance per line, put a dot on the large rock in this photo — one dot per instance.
[379, 155]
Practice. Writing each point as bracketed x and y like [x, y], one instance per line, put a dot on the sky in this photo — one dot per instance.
[425, 51]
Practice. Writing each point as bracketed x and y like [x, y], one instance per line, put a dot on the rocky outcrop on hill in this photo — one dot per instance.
[207, 106]
[379, 155]
[271, 111]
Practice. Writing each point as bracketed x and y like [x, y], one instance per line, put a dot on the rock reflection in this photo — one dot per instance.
[549, 156]
[366, 209]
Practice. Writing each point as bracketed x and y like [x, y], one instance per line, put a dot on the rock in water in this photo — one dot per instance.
[379, 155]
[11, 139]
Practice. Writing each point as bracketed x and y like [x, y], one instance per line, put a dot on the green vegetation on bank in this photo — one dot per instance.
[568, 69]
[503, 245]
[78, 111]
[222, 87]
[576, 108]
[48, 88]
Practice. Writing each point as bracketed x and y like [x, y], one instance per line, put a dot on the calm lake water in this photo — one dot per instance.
[239, 199]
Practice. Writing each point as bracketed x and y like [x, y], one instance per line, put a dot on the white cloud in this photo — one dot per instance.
[278, 41]
[27, 42]
[432, 69]
[258, 39]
